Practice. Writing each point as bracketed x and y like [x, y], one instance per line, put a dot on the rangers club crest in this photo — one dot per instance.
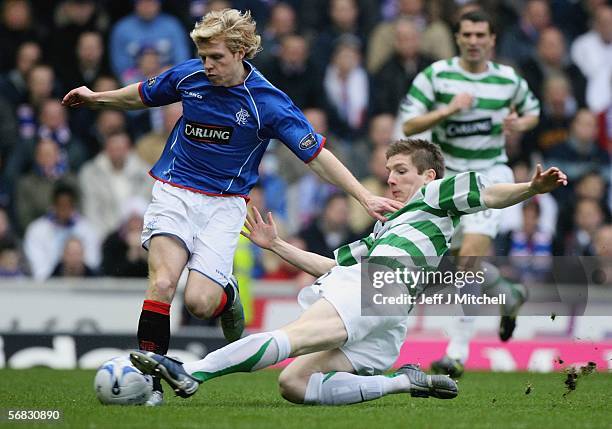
[242, 116]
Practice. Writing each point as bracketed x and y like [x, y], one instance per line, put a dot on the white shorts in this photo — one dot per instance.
[374, 342]
[207, 226]
[488, 221]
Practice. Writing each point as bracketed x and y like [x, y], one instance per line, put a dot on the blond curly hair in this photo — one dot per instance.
[235, 28]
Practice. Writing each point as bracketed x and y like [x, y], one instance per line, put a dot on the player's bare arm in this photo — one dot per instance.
[123, 98]
[503, 195]
[513, 123]
[418, 124]
[265, 235]
[329, 168]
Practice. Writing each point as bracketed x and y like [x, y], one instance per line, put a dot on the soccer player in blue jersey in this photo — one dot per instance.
[209, 164]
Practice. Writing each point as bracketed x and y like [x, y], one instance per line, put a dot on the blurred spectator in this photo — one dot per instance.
[344, 16]
[11, 259]
[376, 182]
[105, 83]
[282, 23]
[14, 83]
[274, 187]
[436, 39]
[45, 238]
[603, 251]
[9, 136]
[558, 108]
[588, 218]
[41, 83]
[293, 72]
[103, 124]
[529, 248]
[147, 26]
[110, 179]
[35, 188]
[551, 59]
[73, 262]
[580, 154]
[147, 65]
[16, 27]
[393, 80]
[73, 19]
[592, 52]
[331, 229]
[123, 254]
[89, 62]
[6, 229]
[150, 146]
[347, 89]
[590, 186]
[518, 44]
[279, 269]
[380, 134]
[53, 125]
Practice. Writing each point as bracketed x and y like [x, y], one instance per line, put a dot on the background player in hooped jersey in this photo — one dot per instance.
[209, 164]
[471, 104]
[340, 352]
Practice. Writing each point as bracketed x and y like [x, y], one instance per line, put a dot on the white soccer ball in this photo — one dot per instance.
[118, 382]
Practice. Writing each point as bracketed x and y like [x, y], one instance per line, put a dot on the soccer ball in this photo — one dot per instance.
[117, 382]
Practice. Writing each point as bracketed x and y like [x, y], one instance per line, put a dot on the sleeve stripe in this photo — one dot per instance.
[447, 193]
[318, 150]
[141, 94]
[474, 194]
[417, 94]
[345, 256]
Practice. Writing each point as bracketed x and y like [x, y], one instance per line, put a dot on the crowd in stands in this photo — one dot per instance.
[74, 183]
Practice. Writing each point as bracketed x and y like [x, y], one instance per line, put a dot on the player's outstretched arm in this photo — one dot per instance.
[329, 168]
[122, 98]
[507, 194]
[265, 235]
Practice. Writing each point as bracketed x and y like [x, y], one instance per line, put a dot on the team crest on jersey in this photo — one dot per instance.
[151, 81]
[242, 116]
[308, 141]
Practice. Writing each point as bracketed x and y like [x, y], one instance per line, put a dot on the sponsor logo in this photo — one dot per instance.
[151, 81]
[308, 141]
[478, 127]
[242, 116]
[204, 133]
[193, 94]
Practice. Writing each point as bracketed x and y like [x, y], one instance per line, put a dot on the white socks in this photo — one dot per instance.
[339, 388]
[245, 355]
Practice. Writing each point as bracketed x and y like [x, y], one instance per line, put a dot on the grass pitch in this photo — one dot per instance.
[239, 401]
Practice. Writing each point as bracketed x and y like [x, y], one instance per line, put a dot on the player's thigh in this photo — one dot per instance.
[293, 380]
[202, 294]
[319, 328]
[379, 350]
[215, 242]
[167, 259]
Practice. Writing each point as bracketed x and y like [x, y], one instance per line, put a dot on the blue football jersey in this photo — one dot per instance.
[217, 145]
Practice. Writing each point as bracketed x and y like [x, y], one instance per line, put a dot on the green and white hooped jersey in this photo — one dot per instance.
[471, 139]
[421, 231]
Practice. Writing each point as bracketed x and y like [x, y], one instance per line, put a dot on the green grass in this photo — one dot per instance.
[252, 401]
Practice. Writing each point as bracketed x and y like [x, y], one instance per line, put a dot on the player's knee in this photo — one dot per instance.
[292, 387]
[199, 307]
[163, 287]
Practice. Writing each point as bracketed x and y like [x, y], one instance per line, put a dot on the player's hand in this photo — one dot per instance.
[462, 101]
[511, 123]
[546, 181]
[378, 206]
[258, 231]
[81, 96]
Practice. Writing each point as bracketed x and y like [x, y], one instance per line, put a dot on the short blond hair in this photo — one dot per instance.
[235, 28]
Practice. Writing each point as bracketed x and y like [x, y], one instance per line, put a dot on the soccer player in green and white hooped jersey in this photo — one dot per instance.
[339, 352]
[471, 104]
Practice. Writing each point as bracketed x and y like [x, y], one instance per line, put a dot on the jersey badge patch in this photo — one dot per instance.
[242, 116]
[308, 141]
